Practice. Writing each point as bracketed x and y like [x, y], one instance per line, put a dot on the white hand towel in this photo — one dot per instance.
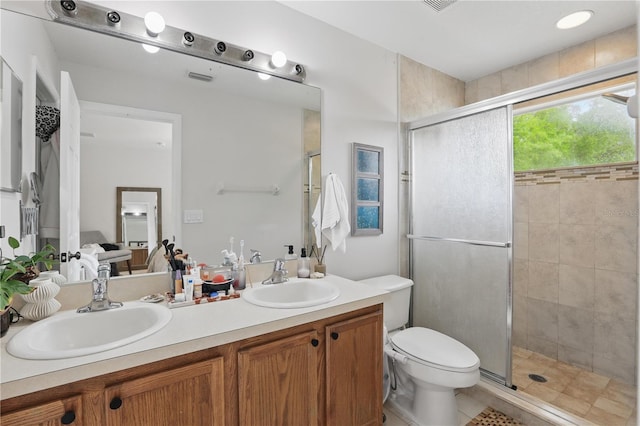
[90, 272]
[335, 213]
[91, 258]
[87, 250]
[316, 221]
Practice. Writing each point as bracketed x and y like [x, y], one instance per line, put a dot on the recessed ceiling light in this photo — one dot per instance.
[574, 19]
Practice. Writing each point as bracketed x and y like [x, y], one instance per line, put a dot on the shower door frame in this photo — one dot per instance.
[607, 72]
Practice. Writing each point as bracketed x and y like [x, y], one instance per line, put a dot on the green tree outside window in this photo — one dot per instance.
[586, 132]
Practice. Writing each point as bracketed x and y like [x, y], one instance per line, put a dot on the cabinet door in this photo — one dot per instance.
[191, 395]
[278, 382]
[62, 412]
[354, 371]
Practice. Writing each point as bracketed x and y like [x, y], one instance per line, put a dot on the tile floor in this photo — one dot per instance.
[599, 399]
[468, 408]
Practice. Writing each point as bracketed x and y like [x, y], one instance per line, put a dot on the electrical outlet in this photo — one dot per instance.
[193, 216]
[1, 231]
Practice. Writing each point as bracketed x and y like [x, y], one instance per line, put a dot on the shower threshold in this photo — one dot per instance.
[521, 406]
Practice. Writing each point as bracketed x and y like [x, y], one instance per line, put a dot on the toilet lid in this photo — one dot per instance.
[435, 348]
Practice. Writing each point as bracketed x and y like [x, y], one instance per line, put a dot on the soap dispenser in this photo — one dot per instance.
[303, 265]
[290, 254]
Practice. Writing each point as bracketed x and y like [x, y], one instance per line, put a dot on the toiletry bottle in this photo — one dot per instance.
[178, 282]
[303, 265]
[188, 287]
[235, 275]
[290, 254]
[197, 288]
[240, 283]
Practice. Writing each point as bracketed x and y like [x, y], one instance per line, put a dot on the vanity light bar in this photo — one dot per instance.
[119, 24]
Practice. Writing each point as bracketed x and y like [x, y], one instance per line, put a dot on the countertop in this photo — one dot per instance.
[192, 328]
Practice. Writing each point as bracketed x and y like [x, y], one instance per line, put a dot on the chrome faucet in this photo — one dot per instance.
[279, 274]
[256, 256]
[100, 299]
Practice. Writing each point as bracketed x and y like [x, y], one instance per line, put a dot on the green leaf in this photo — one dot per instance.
[11, 287]
[13, 243]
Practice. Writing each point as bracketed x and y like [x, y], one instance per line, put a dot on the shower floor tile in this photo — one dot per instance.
[597, 398]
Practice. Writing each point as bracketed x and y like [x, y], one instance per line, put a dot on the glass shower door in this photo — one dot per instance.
[461, 232]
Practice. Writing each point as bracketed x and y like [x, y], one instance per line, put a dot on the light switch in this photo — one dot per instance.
[193, 216]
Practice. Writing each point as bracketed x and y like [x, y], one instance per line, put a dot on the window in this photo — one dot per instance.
[367, 193]
[585, 130]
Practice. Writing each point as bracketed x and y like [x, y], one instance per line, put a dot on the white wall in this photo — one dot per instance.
[103, 169]
[18, 52]
[358, 82]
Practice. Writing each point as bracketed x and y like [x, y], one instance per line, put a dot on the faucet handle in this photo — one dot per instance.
[104, 270]
[256, 256]
[99, 288]
[278, 264]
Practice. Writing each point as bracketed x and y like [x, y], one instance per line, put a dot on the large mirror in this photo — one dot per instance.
[232, 139]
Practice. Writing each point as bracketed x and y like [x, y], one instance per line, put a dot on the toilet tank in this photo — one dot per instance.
[396, 308]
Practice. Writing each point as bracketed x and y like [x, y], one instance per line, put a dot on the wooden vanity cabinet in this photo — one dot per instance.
[323, 372]
[354, 371]
[278, 382]
[330, 375]
[191, 395]
[66, 411]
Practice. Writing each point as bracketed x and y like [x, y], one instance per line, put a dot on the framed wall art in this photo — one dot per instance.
[367, 195]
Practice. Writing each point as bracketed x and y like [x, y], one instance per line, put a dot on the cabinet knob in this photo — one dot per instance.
[68, 418]
[314, 342]
[115, 403]
[335, 335]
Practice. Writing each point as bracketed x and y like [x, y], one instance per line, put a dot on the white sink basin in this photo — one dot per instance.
[292, 294]
[70, 334]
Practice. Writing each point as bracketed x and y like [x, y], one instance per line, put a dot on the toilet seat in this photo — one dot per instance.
[435, 349]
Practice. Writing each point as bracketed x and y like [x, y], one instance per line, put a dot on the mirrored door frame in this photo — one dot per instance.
[119, 191]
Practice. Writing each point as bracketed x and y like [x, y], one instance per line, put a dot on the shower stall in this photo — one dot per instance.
[460, 231]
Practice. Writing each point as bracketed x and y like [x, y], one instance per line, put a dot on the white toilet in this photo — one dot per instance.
[434, 363]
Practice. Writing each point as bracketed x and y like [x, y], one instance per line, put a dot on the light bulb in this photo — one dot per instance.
[150, 49]
[154, 23]
[263, 76]
[278, 59]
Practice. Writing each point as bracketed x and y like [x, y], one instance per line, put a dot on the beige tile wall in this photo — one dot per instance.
[605, 50]
[425, 91]
[575, 270]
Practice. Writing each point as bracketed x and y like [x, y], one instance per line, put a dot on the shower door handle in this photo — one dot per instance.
[457, 240]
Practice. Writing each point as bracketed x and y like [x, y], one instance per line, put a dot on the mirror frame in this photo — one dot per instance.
[11, 97]
[119, 191]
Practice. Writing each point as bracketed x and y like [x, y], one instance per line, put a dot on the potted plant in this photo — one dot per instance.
[15, 274]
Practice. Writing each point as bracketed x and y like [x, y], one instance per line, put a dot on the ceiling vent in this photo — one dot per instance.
[439, 5]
